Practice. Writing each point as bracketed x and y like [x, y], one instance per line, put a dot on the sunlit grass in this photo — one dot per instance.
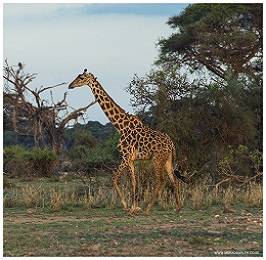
[61, 195]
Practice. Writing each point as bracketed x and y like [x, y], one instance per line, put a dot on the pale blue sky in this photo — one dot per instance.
[114, 41]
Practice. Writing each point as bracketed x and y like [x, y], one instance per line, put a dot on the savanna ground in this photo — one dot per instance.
[42, 220]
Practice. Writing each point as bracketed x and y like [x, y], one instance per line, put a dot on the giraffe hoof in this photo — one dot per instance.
[138, 209]
[177, 211]
[132, 212]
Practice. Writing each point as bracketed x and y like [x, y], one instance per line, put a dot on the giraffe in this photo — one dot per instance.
[137, 142]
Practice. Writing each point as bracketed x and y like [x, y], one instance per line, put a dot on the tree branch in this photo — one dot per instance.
[75, 114]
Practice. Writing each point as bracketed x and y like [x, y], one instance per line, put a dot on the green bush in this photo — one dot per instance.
[8, 184]
[86, 151]
[14, 160]
[19, 161]
[41, 163]
[241, 166]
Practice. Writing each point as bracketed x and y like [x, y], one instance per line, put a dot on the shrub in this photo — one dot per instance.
[14, 160]
[240, 167]
[41, 163]
[8, 184]
[18, 161]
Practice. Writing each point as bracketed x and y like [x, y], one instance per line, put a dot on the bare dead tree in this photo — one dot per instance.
[28, 114]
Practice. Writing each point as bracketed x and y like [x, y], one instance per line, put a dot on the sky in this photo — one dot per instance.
[113, 41]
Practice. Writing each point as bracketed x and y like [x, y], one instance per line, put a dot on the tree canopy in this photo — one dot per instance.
[219, 37]
[205, 120]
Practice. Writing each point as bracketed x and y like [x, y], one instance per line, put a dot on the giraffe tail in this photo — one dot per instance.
[173, 151]
[181, 177]
[177, 172]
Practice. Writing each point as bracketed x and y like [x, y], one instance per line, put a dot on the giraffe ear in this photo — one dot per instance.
[95, 78]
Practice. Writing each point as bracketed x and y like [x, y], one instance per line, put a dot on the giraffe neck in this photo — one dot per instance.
[114, 112]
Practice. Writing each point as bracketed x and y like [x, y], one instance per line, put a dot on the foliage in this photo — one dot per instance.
[14, 160]
[87, 153]
[42, 162]
[240, 167]
[219, 37]
[19, 161]
[85, 138]
[97, 130]
[205, 119]
[10, 137]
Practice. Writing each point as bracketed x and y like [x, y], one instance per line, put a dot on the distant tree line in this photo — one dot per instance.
[98, 131]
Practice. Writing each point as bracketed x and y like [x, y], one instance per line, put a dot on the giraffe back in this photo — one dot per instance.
[140, 142]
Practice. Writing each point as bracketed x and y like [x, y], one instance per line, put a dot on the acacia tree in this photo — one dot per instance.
[219, 37]
[27, 113]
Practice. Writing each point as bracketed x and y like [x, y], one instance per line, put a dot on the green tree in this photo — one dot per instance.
[204, 119]
[89, 152]
[83, 144]
[219, 37]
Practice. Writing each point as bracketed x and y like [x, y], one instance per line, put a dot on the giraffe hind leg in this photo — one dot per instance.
[159, 183]
[133, 184]
[121, 169]
[169, 170]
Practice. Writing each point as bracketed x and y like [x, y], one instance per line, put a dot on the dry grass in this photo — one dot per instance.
[58, 196]
[254, 195]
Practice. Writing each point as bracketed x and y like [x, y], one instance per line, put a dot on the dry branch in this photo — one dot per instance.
[43, 120]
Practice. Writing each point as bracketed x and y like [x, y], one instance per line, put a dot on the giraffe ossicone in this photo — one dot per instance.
[137, 142]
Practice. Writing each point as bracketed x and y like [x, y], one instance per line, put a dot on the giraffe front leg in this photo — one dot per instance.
[121, 169]
[133, 191]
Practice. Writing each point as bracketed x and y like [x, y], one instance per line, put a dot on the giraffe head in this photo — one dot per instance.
[83, 79]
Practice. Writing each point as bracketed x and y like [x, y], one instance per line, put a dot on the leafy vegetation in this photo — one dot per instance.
[19, 161]
[219, 37]
[206, 121]
[88, 153]
[97, 130]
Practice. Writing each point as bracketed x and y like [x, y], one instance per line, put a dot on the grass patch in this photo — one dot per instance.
[109, 232]
[199, 240]
[70, 193]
